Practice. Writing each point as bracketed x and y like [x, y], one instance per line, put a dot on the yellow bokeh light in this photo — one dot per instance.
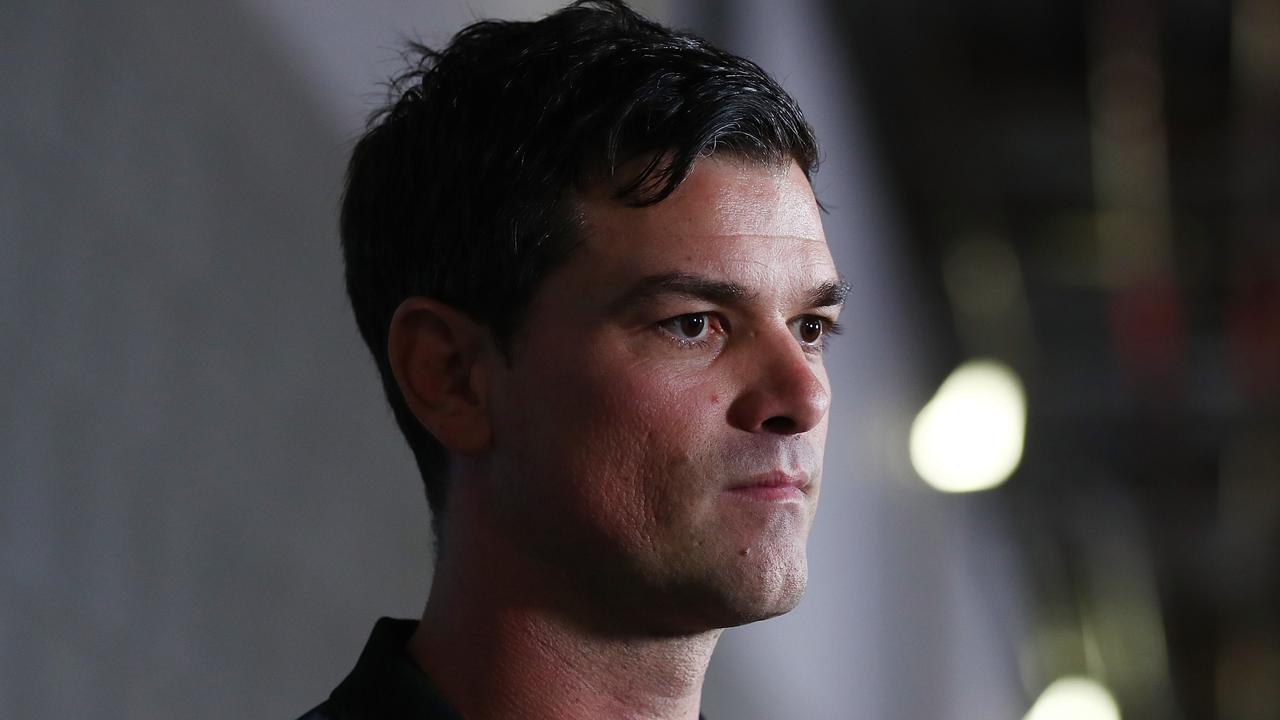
[1074, 698]
[969, 436]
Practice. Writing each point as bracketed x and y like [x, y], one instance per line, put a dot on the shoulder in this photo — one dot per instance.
[385, 683]
[320, 712]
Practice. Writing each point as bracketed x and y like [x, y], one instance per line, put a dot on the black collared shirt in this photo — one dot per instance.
[386, 684]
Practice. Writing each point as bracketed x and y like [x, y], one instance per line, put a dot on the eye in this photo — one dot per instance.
[690, 328]
[813, 329]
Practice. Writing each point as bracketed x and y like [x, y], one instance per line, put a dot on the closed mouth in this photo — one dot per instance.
[774, 486]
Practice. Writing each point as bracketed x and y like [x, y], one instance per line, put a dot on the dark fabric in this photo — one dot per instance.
[386, 684]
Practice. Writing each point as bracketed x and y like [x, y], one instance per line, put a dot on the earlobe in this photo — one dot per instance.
[436, 354]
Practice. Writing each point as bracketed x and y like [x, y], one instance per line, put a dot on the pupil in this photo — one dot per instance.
[810, 329]
[692, 325]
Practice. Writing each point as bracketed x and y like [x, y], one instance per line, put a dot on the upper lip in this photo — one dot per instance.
[775, 478]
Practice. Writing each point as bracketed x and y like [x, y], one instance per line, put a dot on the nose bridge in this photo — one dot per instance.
[783, 388]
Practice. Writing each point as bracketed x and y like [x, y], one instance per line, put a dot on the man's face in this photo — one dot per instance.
[658, 435]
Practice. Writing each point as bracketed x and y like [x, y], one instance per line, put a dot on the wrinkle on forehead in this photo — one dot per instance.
[763, 254]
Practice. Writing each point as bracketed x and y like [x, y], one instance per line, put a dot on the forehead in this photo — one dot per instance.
[727, 216]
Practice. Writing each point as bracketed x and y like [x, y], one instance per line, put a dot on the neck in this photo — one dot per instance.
[500, 640]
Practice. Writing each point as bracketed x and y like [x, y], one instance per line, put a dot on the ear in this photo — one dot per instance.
[436, 354]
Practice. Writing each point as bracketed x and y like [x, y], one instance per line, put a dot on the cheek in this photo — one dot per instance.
[657, 409]
[661, 429]
[629, 439]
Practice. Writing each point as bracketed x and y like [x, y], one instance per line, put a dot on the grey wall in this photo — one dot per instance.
[203, 502]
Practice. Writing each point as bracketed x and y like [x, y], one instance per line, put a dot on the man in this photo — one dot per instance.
[587, 259]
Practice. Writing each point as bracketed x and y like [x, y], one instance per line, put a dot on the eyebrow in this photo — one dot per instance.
[831, 293]
[721, 292]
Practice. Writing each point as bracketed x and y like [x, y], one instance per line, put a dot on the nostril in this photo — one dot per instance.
[781, 424]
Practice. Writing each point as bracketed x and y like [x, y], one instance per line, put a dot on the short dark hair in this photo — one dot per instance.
[462, 187]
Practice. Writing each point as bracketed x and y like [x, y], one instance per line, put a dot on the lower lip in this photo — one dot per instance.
[770, 493]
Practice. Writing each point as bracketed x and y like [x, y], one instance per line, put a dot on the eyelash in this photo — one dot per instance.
[720, 325]
[716, 324]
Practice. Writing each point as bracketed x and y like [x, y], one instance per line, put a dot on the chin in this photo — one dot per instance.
[764, 606]
[758, 592]
[763, 575]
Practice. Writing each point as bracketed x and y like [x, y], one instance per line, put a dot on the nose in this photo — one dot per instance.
[784, 391]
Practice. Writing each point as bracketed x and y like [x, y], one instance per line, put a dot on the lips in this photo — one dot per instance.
[774, 486]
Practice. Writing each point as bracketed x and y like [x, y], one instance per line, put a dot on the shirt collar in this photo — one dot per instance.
[387, 683]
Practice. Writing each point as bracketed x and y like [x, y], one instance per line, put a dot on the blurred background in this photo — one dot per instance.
[1053, 483]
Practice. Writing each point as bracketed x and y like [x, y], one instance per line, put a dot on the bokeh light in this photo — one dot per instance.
[1074, 698]
[969, 436]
